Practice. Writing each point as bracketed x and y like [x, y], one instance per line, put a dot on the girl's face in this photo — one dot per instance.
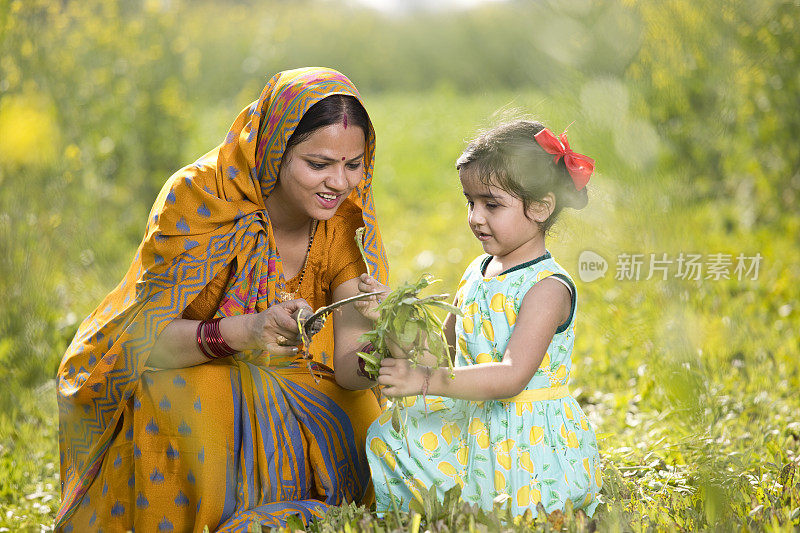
[318, 174]
[498, 220]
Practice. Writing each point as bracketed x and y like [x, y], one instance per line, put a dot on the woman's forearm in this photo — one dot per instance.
[348, 326]
[346, 373]
[176, 346]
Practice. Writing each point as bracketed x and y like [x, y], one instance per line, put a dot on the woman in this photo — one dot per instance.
[160, 429]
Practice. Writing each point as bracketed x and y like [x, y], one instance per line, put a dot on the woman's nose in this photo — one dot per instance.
[337, 180]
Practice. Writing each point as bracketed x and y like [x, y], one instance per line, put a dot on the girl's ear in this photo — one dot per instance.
[541, 210]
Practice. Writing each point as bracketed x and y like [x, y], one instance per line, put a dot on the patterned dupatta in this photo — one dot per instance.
[206, 215]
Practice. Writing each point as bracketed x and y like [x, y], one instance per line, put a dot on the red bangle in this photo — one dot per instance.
[200, 340]
[214, 340]
[362, 363]
[208, 334]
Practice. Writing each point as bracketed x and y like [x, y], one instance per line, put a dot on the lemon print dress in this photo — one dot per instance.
[535, 447]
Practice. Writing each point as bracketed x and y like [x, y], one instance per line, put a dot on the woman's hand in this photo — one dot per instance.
[367, 308]
[275, 329]
[400, 378]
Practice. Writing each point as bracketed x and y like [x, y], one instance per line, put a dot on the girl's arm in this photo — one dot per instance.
[544, 308]
[349, 323]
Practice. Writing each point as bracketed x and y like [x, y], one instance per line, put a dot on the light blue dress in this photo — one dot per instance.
[539, 447]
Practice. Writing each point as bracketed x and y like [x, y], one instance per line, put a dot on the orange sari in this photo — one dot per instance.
[249, 438]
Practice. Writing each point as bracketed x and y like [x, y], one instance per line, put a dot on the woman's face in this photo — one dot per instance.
[320, 172]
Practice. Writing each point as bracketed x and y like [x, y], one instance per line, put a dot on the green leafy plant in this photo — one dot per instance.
[408, 321]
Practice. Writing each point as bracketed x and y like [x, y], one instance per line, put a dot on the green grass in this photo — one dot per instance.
[691, 385]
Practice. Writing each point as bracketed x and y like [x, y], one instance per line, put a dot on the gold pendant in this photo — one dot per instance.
[285, 296]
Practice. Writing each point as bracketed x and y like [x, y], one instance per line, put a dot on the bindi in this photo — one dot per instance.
[344, 122]
[343, 159]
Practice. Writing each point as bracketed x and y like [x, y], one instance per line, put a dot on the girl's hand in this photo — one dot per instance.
[400, 378]
[367, 308]
[275, 329]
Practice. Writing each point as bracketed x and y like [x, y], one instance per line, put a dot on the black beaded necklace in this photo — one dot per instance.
[312, 230]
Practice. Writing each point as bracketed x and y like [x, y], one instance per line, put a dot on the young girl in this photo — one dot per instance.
[506, 424]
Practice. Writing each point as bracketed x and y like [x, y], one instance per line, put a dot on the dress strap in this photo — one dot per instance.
[536, 395]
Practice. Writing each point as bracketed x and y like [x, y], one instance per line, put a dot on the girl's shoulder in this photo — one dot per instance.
[521, 278]
[472, 274]
[476, 266]
[550, 267]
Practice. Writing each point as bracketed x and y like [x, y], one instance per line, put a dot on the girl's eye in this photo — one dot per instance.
[353, 166]
[316, 166]
[492, 206]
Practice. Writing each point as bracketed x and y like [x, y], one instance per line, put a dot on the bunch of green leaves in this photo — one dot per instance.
[409, 322]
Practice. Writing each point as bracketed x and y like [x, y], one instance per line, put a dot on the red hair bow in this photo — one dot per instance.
[579, 166]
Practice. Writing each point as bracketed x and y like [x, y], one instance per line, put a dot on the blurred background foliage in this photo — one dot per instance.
[690, 109]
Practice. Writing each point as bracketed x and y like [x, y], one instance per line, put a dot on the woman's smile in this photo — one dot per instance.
[329, 200]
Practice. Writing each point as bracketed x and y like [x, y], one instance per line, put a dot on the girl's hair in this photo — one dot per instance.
[329, 110]
[508, 156]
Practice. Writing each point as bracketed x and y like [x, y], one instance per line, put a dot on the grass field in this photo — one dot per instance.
[692, 384]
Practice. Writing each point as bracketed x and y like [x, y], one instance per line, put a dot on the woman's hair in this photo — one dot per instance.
[330, 110]
[509, 157]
